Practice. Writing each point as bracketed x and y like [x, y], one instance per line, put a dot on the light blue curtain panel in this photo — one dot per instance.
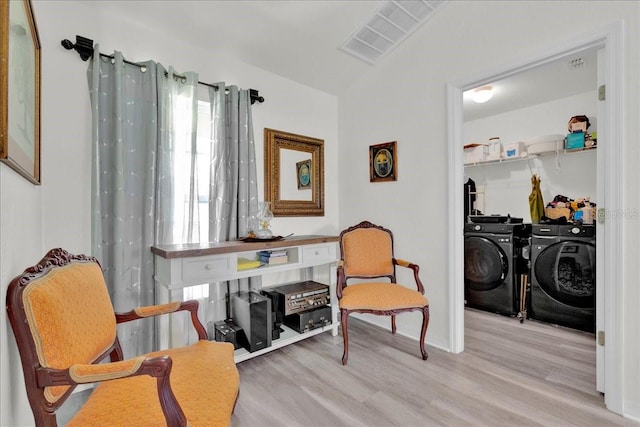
[124, 139]
[233, 173]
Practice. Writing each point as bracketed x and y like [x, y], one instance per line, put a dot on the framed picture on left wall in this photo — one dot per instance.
[20, 89]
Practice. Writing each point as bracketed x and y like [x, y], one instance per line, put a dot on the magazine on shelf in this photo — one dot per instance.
[245, 264]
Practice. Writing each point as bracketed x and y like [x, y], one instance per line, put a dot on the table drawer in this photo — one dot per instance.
[319, 253]
[206, 268]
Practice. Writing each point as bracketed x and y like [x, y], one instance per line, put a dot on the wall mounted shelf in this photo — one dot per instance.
[530, 157]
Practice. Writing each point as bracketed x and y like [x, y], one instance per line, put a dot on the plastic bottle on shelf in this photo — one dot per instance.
[495, 148]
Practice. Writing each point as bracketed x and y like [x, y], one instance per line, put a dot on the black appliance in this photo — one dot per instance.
[563, 275]
[227, 331]
[311, 319]
[276, 316]
[494, 219]
[299, 296]
[252, 312]
[493, 263]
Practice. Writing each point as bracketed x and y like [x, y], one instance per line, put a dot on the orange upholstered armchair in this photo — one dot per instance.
[366, 252]
[64, 324]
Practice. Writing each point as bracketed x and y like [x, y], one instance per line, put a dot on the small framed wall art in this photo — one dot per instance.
[383, 162]
[303, 169]
[20, 89]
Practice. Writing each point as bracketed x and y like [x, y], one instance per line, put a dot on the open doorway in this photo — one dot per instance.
[608, 232]
[539, 267]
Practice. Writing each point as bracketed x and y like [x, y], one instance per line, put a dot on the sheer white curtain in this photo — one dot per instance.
[172, 164]
[177, 210]
[207, 177]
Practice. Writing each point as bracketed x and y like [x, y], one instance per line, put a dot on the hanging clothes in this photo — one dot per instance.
[536, 204]
[469, 198]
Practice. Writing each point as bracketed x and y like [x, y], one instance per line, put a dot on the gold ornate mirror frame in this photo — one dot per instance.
[281, 152]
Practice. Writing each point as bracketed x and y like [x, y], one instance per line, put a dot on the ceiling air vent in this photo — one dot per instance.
[393, 22]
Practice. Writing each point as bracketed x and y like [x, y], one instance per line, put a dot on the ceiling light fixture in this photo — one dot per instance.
[482, 94]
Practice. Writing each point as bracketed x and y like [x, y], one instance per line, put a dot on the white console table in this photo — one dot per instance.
[181, 266]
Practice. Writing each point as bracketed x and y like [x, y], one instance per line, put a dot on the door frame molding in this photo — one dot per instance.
[610, 179]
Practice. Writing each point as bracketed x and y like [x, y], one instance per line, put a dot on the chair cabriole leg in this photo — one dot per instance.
[423, 332]
[344, 315]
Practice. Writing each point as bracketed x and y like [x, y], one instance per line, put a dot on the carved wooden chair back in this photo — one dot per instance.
[61, 315]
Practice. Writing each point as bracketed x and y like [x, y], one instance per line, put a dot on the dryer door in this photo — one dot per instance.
[485, 264]
[566, 271]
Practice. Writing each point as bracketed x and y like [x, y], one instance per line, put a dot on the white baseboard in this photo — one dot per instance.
[631, 410]
[384, 324]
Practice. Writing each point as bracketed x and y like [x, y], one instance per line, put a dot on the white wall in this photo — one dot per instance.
[507, 185]
[522, 124]
[34, 219]
[21, 237]
[403, 98]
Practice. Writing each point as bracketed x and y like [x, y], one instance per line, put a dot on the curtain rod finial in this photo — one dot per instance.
[67, 44]
[254, 95]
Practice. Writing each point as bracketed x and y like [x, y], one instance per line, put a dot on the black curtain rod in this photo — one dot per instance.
[84, 47]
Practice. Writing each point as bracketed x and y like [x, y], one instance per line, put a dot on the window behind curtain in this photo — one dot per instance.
[202, 172]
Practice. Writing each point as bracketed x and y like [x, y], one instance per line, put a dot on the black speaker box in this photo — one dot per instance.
[252, 312]
[276, 316]
[227, 331]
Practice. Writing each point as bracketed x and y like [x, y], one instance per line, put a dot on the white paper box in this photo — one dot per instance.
[545, 144]
[475, 154]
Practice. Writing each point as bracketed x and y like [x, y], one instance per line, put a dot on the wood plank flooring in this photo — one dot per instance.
[529, 374]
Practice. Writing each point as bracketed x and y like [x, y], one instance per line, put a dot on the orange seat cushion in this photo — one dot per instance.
[381, 296]
[204, 379]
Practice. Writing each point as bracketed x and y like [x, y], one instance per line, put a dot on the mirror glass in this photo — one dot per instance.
[294, 174]
[290, 187]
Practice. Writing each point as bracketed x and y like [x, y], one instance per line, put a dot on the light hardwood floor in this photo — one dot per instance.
[510, 374]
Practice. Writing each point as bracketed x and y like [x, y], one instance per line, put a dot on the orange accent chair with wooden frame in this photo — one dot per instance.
[64, 324]
[366, 252]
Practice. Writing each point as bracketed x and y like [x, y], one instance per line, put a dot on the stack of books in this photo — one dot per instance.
[278, 256]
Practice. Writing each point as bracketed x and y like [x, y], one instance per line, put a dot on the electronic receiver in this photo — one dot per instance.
[300, 296]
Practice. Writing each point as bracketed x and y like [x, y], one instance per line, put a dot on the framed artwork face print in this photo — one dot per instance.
[303, 169]
[383, 165]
